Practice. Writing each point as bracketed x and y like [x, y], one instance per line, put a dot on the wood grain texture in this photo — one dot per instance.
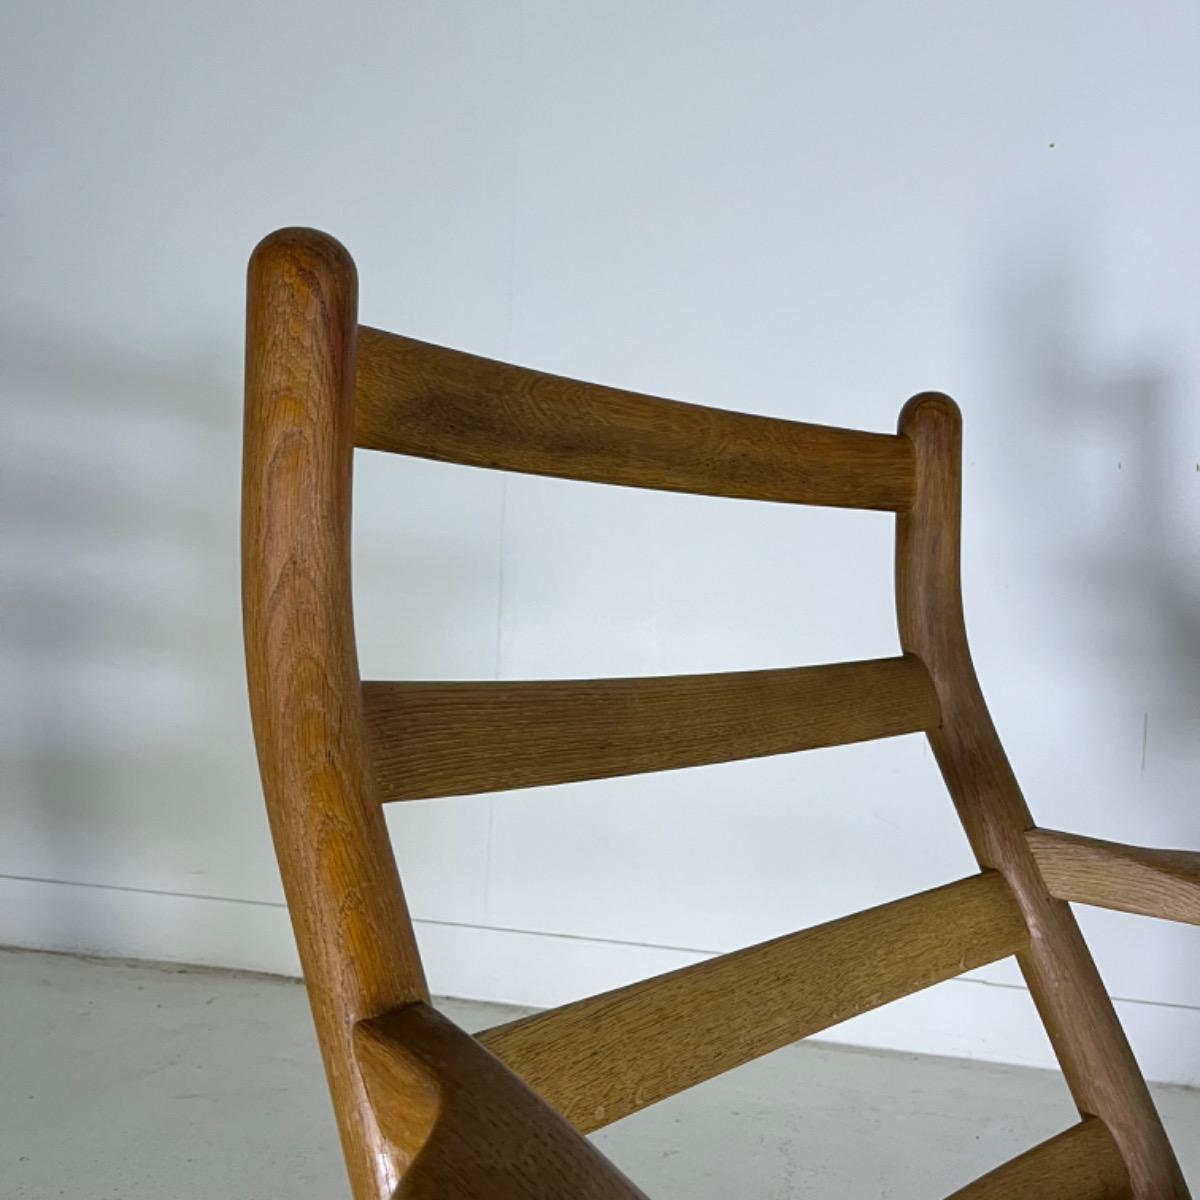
[343, 893]
[414, 398]
[1087, 1037]
[424, 1110]
[1082, 1163]
[1133, 879]
[445, 739]
[602, 1058]
[470, 1129]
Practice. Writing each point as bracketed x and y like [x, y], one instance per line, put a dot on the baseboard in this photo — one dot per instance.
[964, 1018]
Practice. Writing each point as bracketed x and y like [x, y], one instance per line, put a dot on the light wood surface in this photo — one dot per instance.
[466, 1127]
[607, 1056]
[352, 927]
[1133, 879]
[414, 398]
[1083, 1028]
[445, 739]
[1082, 1163]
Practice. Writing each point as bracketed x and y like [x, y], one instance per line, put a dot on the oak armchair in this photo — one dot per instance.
[426, 1110]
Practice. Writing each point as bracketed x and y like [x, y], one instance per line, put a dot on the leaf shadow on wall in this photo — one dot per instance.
[1098, 462]
[125, 738]
[126, 735]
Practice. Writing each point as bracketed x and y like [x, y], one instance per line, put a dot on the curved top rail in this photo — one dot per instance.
[431, 402]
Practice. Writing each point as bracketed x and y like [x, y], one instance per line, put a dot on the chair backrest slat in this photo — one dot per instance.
[602, 1058]
[449, 739]
[427, 401]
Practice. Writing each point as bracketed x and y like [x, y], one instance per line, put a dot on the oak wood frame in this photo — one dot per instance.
[423, 1109]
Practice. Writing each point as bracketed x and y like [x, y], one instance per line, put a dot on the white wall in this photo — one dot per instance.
[805, 210]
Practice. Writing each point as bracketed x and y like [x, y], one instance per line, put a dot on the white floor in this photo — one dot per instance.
[124, 1081]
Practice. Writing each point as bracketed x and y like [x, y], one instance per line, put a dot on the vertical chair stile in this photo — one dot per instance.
[1087, 1037]
[355, 939]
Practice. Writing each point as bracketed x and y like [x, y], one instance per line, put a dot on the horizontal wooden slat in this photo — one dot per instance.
[1153, 883]
[445, 739]
[1081, 1164]
[602, 1058]
[414, 398]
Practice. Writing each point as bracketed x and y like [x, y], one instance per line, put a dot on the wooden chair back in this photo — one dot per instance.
[423, 1108]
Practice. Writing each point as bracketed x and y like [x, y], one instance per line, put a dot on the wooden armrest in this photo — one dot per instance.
[1081, 1164]
[469, 1127]
[1153, 883]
